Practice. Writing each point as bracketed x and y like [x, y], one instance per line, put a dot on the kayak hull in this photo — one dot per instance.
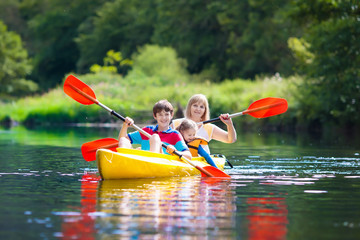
[133, 163]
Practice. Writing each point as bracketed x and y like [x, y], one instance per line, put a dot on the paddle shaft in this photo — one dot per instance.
[243, 112]
[112, 112]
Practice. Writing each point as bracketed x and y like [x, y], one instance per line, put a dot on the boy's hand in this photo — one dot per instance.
[170, 149]
[128, 121]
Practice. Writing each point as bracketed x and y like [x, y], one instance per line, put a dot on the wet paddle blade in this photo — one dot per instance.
[90, 177]
[267, 107]
[72, 84]
[215, 172]
[89, 149]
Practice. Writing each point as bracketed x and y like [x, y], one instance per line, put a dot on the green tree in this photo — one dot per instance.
[227, 38]
[11, 16]
[235, 38]
[157, 66]
[332, 90]
[192, 29]
[119, 25]
[14, 64]
[257, 44]
[53, 28]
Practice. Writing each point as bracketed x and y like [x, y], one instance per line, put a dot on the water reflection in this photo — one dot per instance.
[167, 207]
[54, 136]
[267, 218]
[193, 207]
[190, 207]
[152, 208]
[80, 224]
[277, 191]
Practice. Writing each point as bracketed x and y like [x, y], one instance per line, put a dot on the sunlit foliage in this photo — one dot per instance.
[14, 65]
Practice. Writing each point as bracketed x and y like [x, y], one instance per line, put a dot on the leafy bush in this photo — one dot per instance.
[14, 65]
[157, 66]
[113, 63]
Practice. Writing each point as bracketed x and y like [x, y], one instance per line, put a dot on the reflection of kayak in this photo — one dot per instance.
[132, 163]
[156, 208]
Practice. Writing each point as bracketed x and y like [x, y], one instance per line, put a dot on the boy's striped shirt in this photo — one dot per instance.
[169, 136]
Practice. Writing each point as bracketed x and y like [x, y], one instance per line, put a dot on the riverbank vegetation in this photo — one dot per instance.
[136, 52]
[135, 93]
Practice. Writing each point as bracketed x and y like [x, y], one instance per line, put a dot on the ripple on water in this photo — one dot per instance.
[315, 191]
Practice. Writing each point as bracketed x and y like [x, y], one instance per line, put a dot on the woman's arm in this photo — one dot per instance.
[228, 136]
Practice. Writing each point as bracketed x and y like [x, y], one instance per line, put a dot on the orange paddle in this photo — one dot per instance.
[89, 149]
[263, 108]
[82, 93]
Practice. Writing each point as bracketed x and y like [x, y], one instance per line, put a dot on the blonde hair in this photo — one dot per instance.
[187, 124]
[198, 98]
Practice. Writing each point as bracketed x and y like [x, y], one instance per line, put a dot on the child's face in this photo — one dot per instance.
[197, 110]
[189, 134]
[163, 119]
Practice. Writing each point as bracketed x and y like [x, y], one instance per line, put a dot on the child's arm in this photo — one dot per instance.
[207, 157]
[170, 149]
[123, 132]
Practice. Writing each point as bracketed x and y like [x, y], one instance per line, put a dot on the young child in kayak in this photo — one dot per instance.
[161, 133]
[188, 129]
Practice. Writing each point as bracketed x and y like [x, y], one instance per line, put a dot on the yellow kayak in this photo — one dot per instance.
[133, 163]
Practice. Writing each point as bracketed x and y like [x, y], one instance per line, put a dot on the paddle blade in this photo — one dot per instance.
[89, 149]
[73, 87]
[267, 107]
[215, 172]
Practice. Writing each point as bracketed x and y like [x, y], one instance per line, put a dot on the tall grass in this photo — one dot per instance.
[228, 96]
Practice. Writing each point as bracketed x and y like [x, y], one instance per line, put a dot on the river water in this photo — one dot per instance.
[282, 187]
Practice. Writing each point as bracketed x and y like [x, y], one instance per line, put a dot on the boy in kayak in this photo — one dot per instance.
[161, 133]
[188, 129]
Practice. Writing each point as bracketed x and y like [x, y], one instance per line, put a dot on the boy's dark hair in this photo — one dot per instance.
[163, 105]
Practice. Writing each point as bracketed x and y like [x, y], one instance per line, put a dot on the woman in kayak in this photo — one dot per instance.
[188, 129]
[198, 110]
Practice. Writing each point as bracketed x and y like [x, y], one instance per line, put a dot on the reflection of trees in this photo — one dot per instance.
[267, 218]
